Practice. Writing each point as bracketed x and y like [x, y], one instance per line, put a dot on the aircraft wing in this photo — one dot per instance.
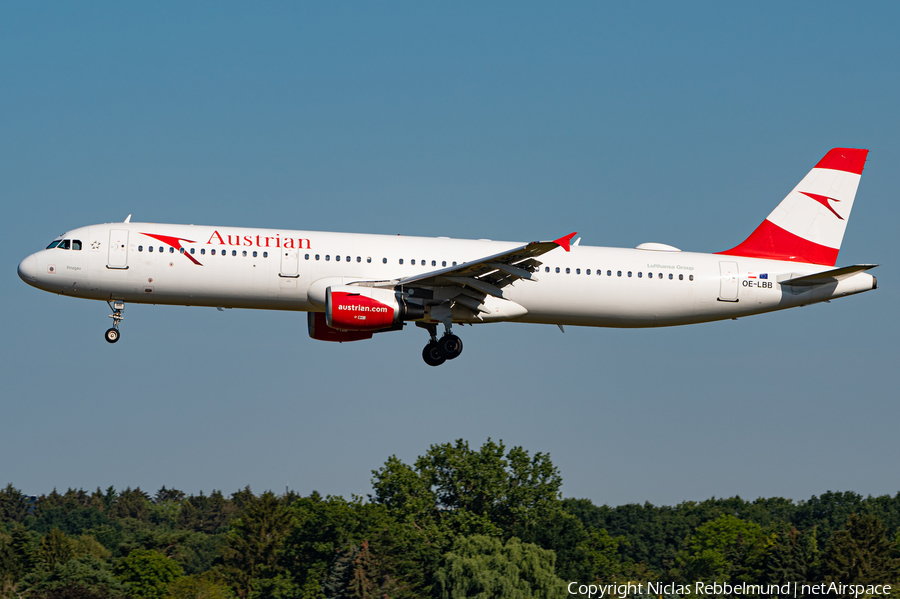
[488, 275]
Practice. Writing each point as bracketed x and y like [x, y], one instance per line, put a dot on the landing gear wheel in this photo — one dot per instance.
[432, 355]
[450, 346]
[112, 335]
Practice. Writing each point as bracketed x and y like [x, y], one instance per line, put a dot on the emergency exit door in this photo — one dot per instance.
[728, 282]
[117, 256]
[290, 263]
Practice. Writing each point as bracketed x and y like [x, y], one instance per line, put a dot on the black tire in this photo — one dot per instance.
[432, 356]
[450, 346]
[112, 335]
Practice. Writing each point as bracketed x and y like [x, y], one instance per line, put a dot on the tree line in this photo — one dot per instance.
[458, 522]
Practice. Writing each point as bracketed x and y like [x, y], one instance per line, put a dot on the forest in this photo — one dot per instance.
[458, 522]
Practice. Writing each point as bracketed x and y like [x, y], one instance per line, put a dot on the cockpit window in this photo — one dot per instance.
[76, 244]
[53, 244]
[64, 244]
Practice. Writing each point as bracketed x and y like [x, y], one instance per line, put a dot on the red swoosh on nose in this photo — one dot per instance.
[175, 242]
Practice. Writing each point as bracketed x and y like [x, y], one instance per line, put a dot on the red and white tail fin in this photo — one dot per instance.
[808, 225]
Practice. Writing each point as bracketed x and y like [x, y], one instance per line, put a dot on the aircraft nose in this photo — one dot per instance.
[28, 269]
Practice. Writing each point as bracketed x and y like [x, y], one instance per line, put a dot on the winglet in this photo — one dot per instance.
[564, 242]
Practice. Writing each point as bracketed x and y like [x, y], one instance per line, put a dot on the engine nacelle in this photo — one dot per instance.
[352, 308]
[319, 330]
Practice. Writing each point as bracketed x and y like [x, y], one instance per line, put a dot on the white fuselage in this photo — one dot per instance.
[233, 267]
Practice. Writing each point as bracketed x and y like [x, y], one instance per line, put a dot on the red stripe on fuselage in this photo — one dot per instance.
[774, 243]
[849, 160]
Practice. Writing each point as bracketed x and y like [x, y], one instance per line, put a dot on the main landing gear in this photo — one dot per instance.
[440, 350]
[112, 335]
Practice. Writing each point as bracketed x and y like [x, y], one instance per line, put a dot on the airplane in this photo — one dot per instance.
[355, 285]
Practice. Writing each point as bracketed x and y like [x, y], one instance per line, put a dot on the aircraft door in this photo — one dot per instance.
[290, 263]
[728, 283]
[118, 249]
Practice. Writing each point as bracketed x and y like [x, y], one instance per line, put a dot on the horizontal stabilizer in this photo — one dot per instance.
[828, 276]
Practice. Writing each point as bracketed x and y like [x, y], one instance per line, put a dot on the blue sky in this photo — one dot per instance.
[677, 123]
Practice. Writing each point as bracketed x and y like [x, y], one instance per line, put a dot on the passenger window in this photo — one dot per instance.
[234, 252]
[659, 276]
[52, 245]
[202, 251]
[401, 260]
[434, 262]
[171, 250]
[680, 277]
[327, 257]
[691, 277]
[359, 259]
[609, 273]
[444, 263]
[347, 258]
[161, 249]
[76, 244]
[336, 258]
[244, 253]
[181, 250]
[454, 264]
[384, 260]
[578, 271]
[140, 248]
[671, 276]
[629, 273]
[305, 257]
[413, 262]
[192, 251]
[546, 269]
[266, 255]
[317, 256]
[587, 272]
[254, 255]
[568, 271]
[619, 273]
[640, 274]
[557, 269]
[212, 252]
[369, 260]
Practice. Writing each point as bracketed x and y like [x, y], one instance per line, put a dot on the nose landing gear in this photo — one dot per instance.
[112, 335]
[438, 351]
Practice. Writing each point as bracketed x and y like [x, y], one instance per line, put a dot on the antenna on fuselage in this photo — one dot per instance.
[128, 220]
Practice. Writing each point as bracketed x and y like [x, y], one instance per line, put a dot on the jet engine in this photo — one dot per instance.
[352, 308]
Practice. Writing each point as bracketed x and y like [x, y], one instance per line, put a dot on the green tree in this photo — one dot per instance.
[455, 490]
[793, 557]
[861, 553]
[55, 548]
[253, 540]
[84, 577]
[601, 552]
[508, 489]
[147, 573]
[321, 530]
[133, 503]
[723, 549]
[18, 555]
[13, 505]
[198, 587]
[480, 567]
